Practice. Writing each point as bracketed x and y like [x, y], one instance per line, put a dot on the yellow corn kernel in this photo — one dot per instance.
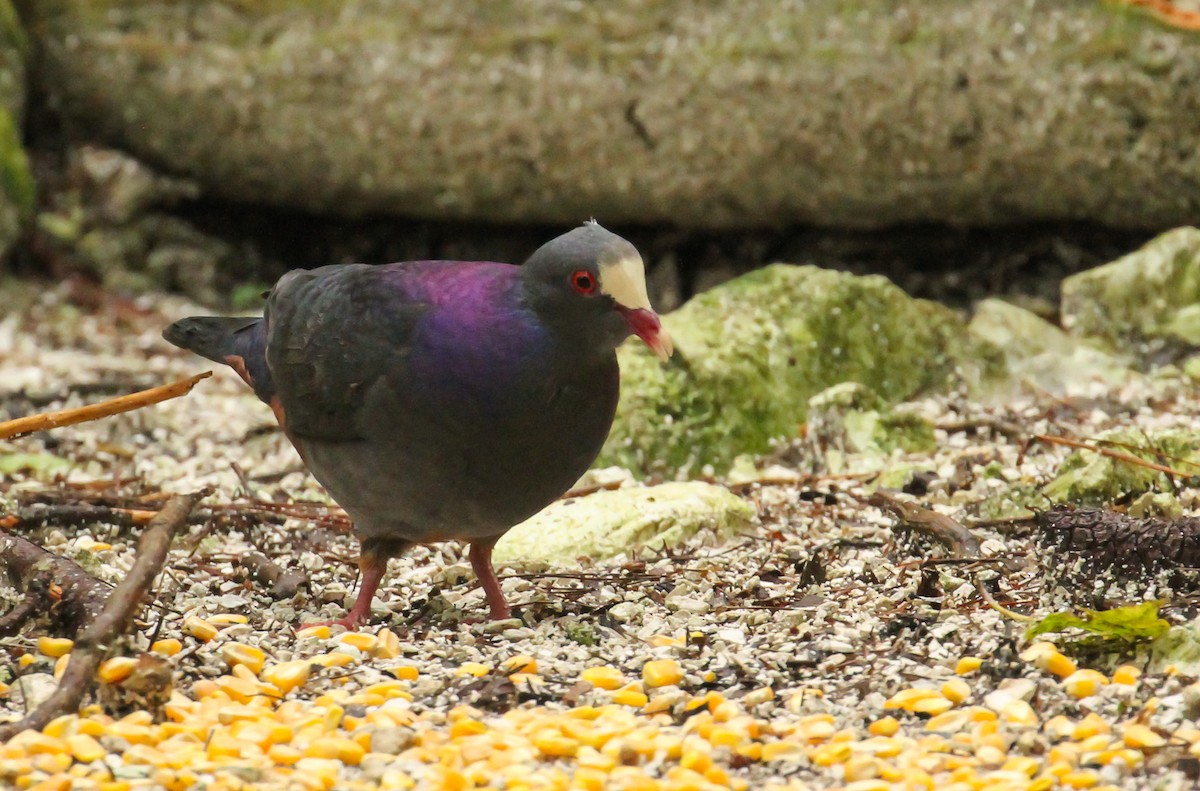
[406, 672]
[554, 744]
[931, 706]
[696, 761]
[968, 665]
[886, 726]
[781, 751]
[226, 618]
[54, 646]
[663, 640]
[336, 748]
[1022, 763]
[1141, 737]
[167, 647]
[476, 669]
[4, 689]
[363, 641]
[288, 675]
[1084, 683]
[25, 660]
[603, 677]
[629, 697]
[60, 665]
[1060, 665]
[948, 722]
[466, 726]
[1091, 725]
[905, 699]
[521, 663]
[199, 628]
[757, 696]
[661, 673]
[831, 754]
[116, 669]
[1018, 712]
[85, 748]
[284, 754]
[249, 656]
[319, 631]
[387, 645]
[956, 690]
[1127, 675]
[1080, 779]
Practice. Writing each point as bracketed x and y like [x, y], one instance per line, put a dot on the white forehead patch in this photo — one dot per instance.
[624, 279]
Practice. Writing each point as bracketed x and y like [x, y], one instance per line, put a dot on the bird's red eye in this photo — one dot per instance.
[584, 282]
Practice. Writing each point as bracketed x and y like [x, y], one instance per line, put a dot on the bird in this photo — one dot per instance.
[443, 400]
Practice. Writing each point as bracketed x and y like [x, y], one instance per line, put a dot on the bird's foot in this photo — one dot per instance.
[350, 623]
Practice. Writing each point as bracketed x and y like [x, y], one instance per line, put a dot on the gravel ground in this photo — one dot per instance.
[817, 651]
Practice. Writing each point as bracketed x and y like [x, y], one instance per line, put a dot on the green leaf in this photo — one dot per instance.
[1130, 624]
[32, 462]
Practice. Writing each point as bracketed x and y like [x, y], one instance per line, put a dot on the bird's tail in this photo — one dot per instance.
[239, 342]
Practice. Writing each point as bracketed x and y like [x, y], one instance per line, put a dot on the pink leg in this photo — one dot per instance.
[481, 562]
[372, 563]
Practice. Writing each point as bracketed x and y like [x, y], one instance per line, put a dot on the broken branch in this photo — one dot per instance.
[114, 619]
[941, 528]
[82, 595]
[113, 406]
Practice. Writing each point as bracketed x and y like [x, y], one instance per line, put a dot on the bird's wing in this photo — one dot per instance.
[332, 333]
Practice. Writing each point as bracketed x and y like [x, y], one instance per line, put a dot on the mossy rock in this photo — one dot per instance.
[610, 523]
[17, 193]
[715, 115]
[1041, 353]
[751, 353]
[1089, 478]
[1152, 294]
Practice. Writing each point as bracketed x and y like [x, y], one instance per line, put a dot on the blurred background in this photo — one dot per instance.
[962, 147]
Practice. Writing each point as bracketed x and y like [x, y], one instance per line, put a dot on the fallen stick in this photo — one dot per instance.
[941, 528]
[113, 406]
[82, 596]
[114, 620]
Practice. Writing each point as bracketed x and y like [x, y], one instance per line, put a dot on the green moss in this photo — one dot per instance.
[751, 352]
[1150, 293]
[16, 181]
[1088, 478]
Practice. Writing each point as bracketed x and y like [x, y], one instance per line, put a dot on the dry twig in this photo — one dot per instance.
[1128, 458]
[82, 595]
[113, 406]
[114, 619]
[941, 528]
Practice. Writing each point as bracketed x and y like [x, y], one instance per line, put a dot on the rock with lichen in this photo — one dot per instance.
[16, 181]
[751, 353]
[676, 112]
[1086, 477]
[1042, 354]
[1142, 302]
[849, 420]
[609, 523]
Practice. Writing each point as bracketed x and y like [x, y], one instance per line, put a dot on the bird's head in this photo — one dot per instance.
[592, 283]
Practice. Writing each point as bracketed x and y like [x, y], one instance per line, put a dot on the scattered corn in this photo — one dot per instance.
[887, 726]
[476, 669]
[199, 628]
[521, 663]
[967, 665]
[116, 669]
[1127, 675]
[1084, 683]
[54, 646]
[956, 690]
[1141, 737]
[249, 656]
[167, 647]
[661, 673]
[603, 677]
